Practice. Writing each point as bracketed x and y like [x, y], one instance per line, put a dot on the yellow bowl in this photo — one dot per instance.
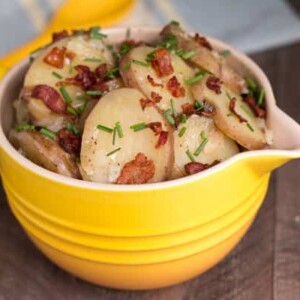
[142, 236]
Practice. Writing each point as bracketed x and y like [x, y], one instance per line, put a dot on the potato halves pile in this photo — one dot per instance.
[135, 112]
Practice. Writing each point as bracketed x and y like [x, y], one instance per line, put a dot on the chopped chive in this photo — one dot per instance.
[124, 49]
[190, 155]
[119, 130]
[31, 59]
[140, 63]
[168, 116]
[261, 97]
[229, 114]
[80, 108]
[170, 42]
[202, 135]
[104, 128]
[57, 75]
[93, 59]
[71, 110]
[174, 22]
[224, 53]
[114, 135]
[128, 33]
[82, 97]
[150, 56]
[138, 126]
[48, 133]
[247, 110]
[199, 76]
[188, 54]
[179, 51]
[182, 131]
[251, 83]
[183, 118]
[111, 73]
[201, 147]
[66, 95]
[94, 93]
[250, 127]
[173, 108]
[71, 67]
[25, 127]
[127, 66]
[112, 152]
[95, 34]
[198, 105]
[73, 128]
[228, 96]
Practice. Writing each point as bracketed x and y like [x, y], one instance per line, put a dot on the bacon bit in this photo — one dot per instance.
[202, 41]
[196, 167]
[69, 141]
[214, 83]
[50, 97]
[156, 97]
[132, 43]
[146, 103]
[55, 57]
[174, 87]
[70, 55]
[232, 109]
[161, 62]
[140, 170]
[156, 127]
[100, 71]
[188, 108]
[152, 82]
[85, 76]
[258, 111]
[56, 36]
[101, 87]
[163, 137]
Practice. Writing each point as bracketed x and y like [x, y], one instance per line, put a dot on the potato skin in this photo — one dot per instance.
[226, 121]
[44, 152]
[135, 76]
[123, 106]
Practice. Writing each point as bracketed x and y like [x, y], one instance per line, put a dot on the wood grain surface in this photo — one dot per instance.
[265, 265]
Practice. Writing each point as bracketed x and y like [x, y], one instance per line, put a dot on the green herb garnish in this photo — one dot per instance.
[188, 54]
[93, 59]
[94, 93]
[80, 108]
[229, 114]
[251, 84]
[73, 128]
[182, 131]
[170, 42]
[174, 22]
[65, 95]
[183, 118]
[112, 152]
[71, 66]
[173, 108]
[190, 155]
[104, 128]
[114, 135]
[119, 130]
[168, 115]
[112, 73]
[82, 97]
[127, 66]
[179, 51]
[250, 127]
[198, 105]
[128, 33]
[225, 53]
[48, 133]
[71, 110]
[57, 75]
[261, 97]
[140, 63]
[25, 127]
[199, 76]
[95, 34]
[138, 126]
[203, 143]
[247, 110]
[150, 56]
[228, 96]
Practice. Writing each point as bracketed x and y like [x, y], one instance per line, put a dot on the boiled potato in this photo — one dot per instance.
[206, 59]
[198, 128]
[135, 75]
[41, 73]
[123, 106]
[44, 152]
[250, 133]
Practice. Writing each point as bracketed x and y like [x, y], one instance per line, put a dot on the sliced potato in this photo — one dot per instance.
[123, 106]
[135, 75]
[249, 134]
[44, 152]
[41, 73]
[206, 58]
[217, 148]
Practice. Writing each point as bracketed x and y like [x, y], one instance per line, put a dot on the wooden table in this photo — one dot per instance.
[265, 265]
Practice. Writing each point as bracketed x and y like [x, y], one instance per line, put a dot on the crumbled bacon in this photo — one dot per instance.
[56, 57]
[132, 43]
[156, 97]
[161, 62]
[196, 167]
[56, 36]
[162, 139]
[85, 76]
[152, 82]
[50, 97]
[175, 88]
[69, 141]
[100, 71]
[202, 41]
[232, 109]
[146, 103]
[258, 111]
[214, 83]
[70, 55]
[188, 108]
[156, 127]
[140, 170]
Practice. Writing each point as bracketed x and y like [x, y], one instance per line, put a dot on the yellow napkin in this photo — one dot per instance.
[72, 14]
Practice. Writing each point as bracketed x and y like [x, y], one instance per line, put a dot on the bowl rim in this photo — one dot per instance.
[239, 56]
